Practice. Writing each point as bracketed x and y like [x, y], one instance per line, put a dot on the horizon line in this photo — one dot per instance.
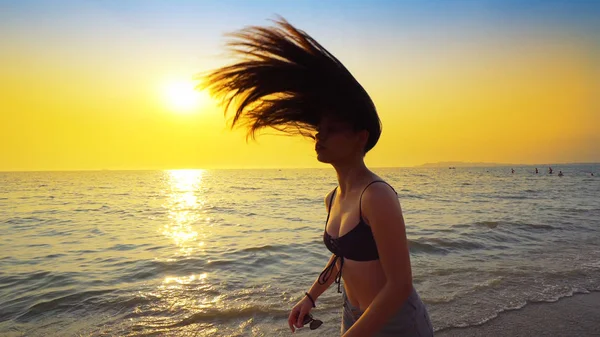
[424, 165]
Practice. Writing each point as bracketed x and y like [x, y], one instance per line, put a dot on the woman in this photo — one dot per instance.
[287, 81]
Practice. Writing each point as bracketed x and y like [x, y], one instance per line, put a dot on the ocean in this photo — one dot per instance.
[229, 252]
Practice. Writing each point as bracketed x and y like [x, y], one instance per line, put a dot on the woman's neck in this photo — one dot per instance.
[350, 175]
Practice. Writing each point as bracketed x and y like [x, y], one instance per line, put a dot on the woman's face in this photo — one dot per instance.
[337, 141]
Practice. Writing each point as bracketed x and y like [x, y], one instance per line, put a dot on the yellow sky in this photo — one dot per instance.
[71, 102]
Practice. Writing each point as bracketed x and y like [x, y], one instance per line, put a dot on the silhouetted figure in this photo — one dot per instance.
[536, 171]
[550, 170]
[284, 80]
[512, 170]
[560, 174]
[592, 174]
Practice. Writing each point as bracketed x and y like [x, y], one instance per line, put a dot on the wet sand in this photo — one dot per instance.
[578, 315]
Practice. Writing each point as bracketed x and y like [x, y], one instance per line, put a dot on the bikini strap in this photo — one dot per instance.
[330, 203]
[363, 192]
[326, 273]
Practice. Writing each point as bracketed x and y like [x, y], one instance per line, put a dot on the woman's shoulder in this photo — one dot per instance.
[379, 186]
[378, 192]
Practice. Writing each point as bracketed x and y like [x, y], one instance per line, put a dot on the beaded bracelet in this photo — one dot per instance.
[311, 299]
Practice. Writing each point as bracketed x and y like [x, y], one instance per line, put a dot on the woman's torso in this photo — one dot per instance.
[362, 279]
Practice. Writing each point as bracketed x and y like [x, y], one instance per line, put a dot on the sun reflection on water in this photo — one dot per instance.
[185, 279]
[184, 207]
[188, 230]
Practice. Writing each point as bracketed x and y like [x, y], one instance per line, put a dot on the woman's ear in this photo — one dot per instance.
[363, 136]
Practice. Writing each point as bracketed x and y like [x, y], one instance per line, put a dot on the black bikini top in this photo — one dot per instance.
[358, 244]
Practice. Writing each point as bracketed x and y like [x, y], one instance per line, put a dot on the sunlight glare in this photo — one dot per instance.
[181, 97]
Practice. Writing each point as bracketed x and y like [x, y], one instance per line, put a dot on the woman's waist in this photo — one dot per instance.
[361, 287]
[358, 300]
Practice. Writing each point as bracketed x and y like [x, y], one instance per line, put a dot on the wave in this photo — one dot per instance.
[21, 278]
[221, 209]
[124, 247]
[410, 196]
[23, 220]
[442, 246]
[537, 226]
[308, 200]
[244, 188]
[61, 303]
[515, 307]
[22, 283]
[439, 300]
[422, 247]
[134, 271]
[488, 224]
[53, 256]
[150, 269]
[491, 224]
[231, 314]
[451, 296]
[265, 248]
[38, 245]
[515, 197]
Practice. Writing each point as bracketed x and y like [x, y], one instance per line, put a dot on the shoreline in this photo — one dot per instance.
[576, 315]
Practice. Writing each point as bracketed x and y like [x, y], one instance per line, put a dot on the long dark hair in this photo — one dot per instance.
[287, 81]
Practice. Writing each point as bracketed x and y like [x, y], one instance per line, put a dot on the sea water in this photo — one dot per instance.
[229, 252]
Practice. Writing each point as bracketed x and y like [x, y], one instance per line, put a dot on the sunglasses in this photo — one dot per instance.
[314, 323]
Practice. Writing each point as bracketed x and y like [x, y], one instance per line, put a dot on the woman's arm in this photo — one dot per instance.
[317, 288]
[382, 211]
[304, 306]
[299, 311]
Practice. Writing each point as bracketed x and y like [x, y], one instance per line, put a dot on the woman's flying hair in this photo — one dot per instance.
[287, 81]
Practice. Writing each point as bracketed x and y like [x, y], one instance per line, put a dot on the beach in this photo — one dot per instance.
[574, 316]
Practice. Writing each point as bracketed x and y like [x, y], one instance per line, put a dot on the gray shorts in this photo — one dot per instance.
[412, 320]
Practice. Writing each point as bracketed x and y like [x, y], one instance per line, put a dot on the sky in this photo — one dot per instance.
[88, 85]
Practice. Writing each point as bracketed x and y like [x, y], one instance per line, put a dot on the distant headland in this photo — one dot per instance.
[483, 164]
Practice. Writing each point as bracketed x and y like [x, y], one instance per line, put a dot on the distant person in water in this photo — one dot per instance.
[287, 81]
[512, 170]
[560, 174]
[536, 170]
[550, 170]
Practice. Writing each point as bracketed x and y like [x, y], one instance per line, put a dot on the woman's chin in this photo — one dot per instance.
[322, 158]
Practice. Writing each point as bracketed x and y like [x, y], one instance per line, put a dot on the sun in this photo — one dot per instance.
[181, 97]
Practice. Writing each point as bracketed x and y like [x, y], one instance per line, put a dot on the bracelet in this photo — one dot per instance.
[311, 299]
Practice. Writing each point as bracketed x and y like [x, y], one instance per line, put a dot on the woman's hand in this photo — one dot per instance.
[303, 307]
